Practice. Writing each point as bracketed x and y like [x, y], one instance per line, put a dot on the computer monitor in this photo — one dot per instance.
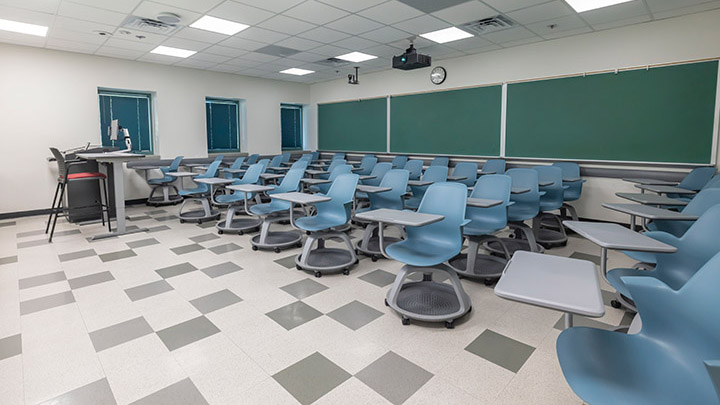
[114, 128]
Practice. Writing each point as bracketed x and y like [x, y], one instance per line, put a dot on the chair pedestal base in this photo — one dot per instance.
[326, 260]
[525, 240]
[199, 216]
[476, 266]
[428, 300]
[549, 237]
[369, 245]
[275, 240]
[232, 224]
[166, 198]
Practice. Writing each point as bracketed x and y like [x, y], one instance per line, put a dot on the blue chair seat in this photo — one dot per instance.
[231, 198]
[644, 257]
[420, 254]
[269, 208]
[479, 229]
[193, 191]
[160, 180]
[318, 223]
[546, 206]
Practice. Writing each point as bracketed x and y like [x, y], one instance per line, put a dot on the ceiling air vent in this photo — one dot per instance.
[149, 25]
[332, 62]
[486, 25]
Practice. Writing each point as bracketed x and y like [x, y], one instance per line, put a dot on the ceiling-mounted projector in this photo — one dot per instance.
[411, 60]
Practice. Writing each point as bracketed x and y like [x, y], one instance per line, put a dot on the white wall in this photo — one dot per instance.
[49, 98]
[690, 37]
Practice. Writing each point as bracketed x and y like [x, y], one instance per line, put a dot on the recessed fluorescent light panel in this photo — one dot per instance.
[356, 57]
[23, 28]
[446, 35]
[586, 5]
[218, 25]
[176, 52]
[297, 72]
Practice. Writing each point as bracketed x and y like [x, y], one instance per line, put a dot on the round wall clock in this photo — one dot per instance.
[438, 75]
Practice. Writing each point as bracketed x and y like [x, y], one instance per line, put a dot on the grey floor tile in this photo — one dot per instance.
[77, 255]
[182, 392]
[31, 243]
[226, 248]
[67, 233]
[294, 315]
[206, 225]
[215, 301]
[9, 223]
[91, 279]
[311, 378]
[380, 278]
[139, 218]
[30, 233]
[10, 346]
[148, 290]
[43, 303]
[181, 250]
[607, 297]
[8, 260]
[579, 320]
[204, 238]
[287, 262]
[142, 243]
[120, 333]
[394, 377]
[584, 256]
[221, 269]
[122, 254]
[155, 212]
[304, 288]
[42, 279]
[187, 332]
[95, 393]
[158, 228]
[501, 350]
[355, 315]
[166, 218]
[176, 270]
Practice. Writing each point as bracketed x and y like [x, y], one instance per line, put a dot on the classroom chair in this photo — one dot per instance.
[329, 216]
[276, 211]
[165, 184]
[237, 164]
[378, 172]
[573, 191]
[333, 164]
[315, 155]
[424, 250]
[665, 363]
[399, 161]
[338, 155]
[494, 166]
[484, 223]
[63, 179]
[436, 174]
[551, 200]
[337, 171]
[285, 158]
[252, 159]
[200, 194]
[694, 248]
[526, 207]
[440, 161]
[697, 179]
[466, 169]
[233, 201]
[275, 161]
[415, 167]
[397, 180]
[366, 165]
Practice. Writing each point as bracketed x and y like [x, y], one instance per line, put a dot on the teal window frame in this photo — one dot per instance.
[292, 138]
[222, 125]
[118, 104]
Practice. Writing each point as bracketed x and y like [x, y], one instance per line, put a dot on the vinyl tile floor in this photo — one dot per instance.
[182, 315]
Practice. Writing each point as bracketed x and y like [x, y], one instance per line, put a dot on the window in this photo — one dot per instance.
[222, 118]
[133, 111]
[291, 126]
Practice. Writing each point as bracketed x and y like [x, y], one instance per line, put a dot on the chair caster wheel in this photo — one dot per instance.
[450, 324]
[469, 310]
[307, 232]
[297, 266]
[346, 272]
[357, 261]
[615, 304]
[406, 321]
[277, 249]
[386, 303]
[182, 221]
[254, 248]
[199, 222]
[374, 258]
[299, 244]
[241, 233]
[220, 232]
[488, 282]
[318, 274]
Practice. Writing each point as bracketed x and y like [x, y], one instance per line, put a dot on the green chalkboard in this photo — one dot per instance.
[663, 114]
[454, 122]
[359, 126]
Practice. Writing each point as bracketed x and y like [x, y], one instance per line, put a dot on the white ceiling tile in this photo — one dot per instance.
[241, 62]
[419, 43]
[26, 16]
[200, 35]
[286, 25]
[131, 45]
[541, 12]
[438, 50]
[315, 12]
[617, 12]
[422, 24]
[225, 51]
[139, 36]
[622, 22]
[71, 46]
[188, 44]
[93, 14]
[259, 57]
[286, 62]
[688, 10]
[391, 12]
[276, 6]
[314, 67]
[88, 38]
[119, 52]
[242, 43]
[252, 72]
[21, 39]
[355, 43]
[121, 6]
[307, 57]
[196, 64]
[353, 6]
[43, 6]
[224, 68]
[384, 51]
[465, 12]
[300, 44]
[567, 33]
[324, 35]
[469, 44]
[510, 5]
[150, 9]
[569, 22]
[241, 13]
[161, 59]
[261, 35]
[385, 62]
[354, 24]
[386, 34]
[508, 35]
[209, 57]
[329, 51]
[200, 6]
[657, 6]
[518, 42]
[489, 48]
[72, 24]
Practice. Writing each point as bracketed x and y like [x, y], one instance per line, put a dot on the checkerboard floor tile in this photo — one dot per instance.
[180, 314]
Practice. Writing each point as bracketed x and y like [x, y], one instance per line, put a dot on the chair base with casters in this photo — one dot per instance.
[523, 239]
[277, 240]
[475, 266]
[547, 237]
[369, 245]
[326, 260]
[239, 225]
[428, 300]
[198, 215]
[565, 210]
[166, 198]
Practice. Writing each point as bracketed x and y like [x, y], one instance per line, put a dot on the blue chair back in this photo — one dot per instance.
[466, 169]
[315, 155]
[527, 205]
[264, 163]
[553, 198]
[275, 161]
[436, 174]
[337, 171]
[397, 179]
[335, 163]
[494, 165]
[379, 172]
[252, 175]
[338, 211]
[448, 200]
[697, 178]
[415, 168]
[219, 158]
[440, 161]
[702, 202]
[338, 155]
[300, 164]
[713, 183]
[285, 157]
[252, 159]
[571, 170]
[174, 165]
[290, 183]
[306, 156]
[209, 173]
[366, 165]
[237, 164]
[399, 161]
[492, 219]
